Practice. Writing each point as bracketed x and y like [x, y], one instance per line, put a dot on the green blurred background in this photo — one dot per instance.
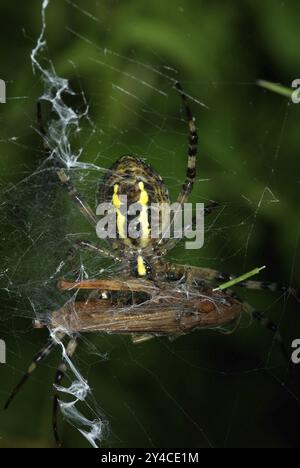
[206, 389]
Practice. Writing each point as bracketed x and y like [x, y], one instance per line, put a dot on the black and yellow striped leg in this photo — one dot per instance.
[191, 164]
[42, 354]
[83, 206]
[256, 285]
[192, 149]
[71, 348]
[216, 278]
[267, 323]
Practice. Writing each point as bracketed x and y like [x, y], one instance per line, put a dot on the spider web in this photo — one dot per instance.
[116, 102]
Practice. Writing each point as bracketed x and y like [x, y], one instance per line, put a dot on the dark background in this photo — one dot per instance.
[233, 390]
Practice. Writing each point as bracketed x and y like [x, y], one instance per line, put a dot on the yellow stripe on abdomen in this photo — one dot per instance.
[121, 220]
[143, 218]
[141, 266]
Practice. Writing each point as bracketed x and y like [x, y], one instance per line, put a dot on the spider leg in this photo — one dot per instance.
[89, 246]
[64, 178]
[254, 285]
[260, 317]
[176, 271]
[212, 276]
[188, 185]
[71, 348]
[215, 276]
[171, 243]
[77, 198]
[209, 209]
[192, 149]
[42, 354]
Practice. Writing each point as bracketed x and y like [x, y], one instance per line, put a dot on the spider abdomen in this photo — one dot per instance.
[143, 188]
[127, 172]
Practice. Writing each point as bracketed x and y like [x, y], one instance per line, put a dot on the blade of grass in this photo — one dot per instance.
[237, 280]
[275, 88]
